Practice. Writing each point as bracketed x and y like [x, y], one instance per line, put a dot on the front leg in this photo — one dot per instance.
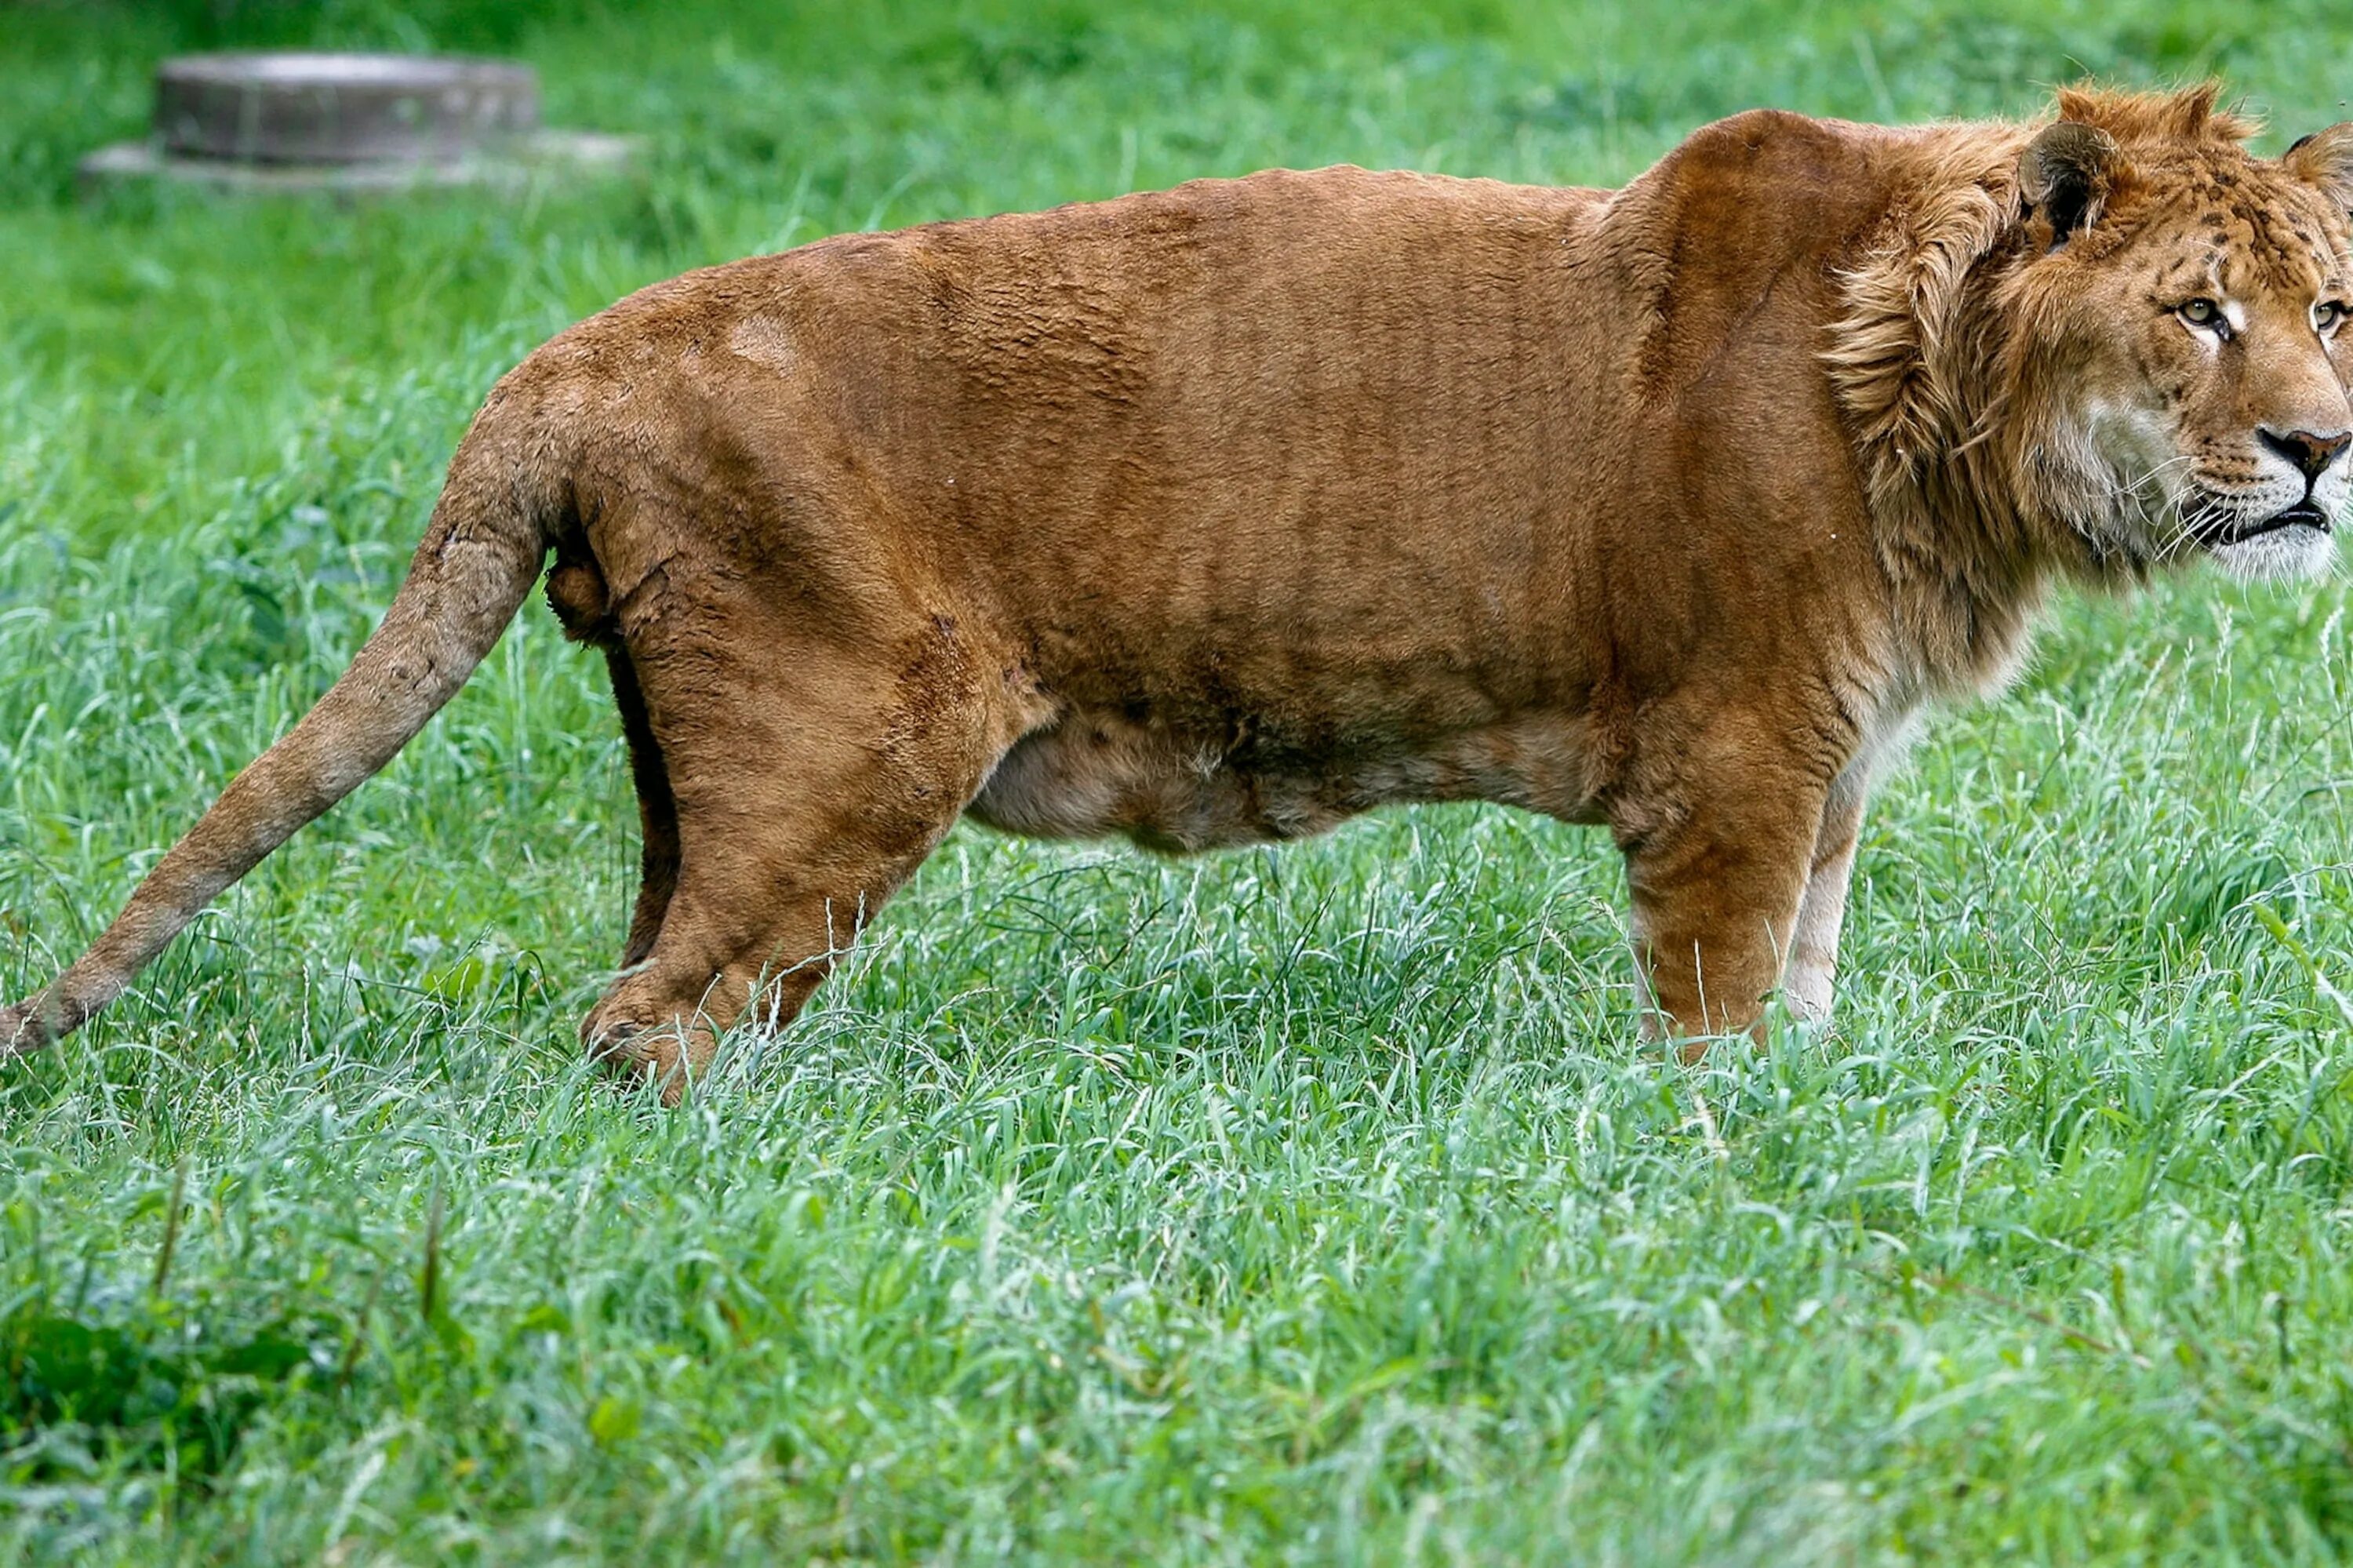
[1813, 955]
[1718, 875]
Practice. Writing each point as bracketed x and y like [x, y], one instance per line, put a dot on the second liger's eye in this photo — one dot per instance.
[2328, 315]
[2201, 312]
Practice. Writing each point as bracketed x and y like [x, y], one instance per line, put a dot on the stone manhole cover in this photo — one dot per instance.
[348, 123]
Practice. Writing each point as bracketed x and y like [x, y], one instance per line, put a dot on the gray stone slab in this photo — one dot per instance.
[310, 108]
[542, 154]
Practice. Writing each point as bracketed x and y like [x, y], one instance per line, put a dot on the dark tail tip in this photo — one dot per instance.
[22, 1032]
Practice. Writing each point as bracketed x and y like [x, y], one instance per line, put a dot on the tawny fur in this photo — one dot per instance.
[1221, 514]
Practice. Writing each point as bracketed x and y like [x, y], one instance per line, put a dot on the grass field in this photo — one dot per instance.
[1312, 1206]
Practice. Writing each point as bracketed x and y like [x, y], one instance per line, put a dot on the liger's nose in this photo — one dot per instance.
[2310, 451]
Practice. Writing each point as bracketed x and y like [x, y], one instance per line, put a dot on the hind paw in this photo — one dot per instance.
[666, 1055]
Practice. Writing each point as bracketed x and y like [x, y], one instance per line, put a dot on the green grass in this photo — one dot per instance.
[1311, 1206]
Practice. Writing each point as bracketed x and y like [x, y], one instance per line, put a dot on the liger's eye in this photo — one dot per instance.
[2201, 312]
[2328, 315]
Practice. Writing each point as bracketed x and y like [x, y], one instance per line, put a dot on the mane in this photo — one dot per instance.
[1922, 364]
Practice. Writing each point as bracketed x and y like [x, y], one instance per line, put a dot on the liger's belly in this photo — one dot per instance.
[1091, 774]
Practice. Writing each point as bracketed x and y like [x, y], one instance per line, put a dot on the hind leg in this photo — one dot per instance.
[657, 810]
[807, 785]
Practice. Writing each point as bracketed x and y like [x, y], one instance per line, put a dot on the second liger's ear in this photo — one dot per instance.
[2325, 159]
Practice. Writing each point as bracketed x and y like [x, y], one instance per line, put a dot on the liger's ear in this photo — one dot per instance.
[2326, 159]
[2065, 174]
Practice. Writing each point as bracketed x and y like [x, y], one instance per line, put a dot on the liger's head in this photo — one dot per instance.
[2189, 312]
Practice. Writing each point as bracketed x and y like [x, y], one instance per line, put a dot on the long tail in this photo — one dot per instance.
[489, 533]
